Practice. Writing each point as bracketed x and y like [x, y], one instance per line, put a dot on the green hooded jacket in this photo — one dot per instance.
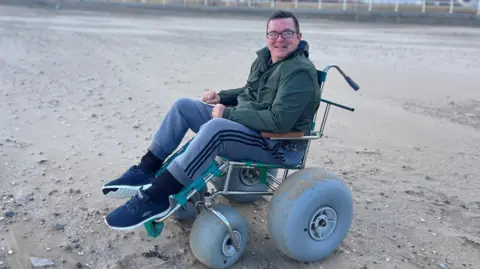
[278, 98]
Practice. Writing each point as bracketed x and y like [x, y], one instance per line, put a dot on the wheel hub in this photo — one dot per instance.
[322, 223]
[228, 248]
[249, 176]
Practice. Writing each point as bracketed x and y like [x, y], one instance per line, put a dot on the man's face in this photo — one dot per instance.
[282, 46]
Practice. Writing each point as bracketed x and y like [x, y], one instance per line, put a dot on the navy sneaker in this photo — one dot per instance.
[138, 210]
[128, 184]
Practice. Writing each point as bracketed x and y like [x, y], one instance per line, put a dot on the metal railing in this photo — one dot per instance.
[467, 7]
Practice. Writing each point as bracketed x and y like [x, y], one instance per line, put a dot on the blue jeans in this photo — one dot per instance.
[215, 137]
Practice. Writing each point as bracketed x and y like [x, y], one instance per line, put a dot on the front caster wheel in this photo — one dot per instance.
[210, 240]
[310, 214]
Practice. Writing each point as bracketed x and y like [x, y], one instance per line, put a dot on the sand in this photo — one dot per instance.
[82, 93]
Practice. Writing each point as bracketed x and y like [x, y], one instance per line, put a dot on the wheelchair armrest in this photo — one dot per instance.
[285, 135]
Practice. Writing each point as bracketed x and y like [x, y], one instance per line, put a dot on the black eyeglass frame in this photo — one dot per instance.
[287, 34]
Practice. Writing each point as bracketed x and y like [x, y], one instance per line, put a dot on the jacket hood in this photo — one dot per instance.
[303, 48]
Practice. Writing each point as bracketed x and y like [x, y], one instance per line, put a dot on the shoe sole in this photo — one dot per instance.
[122, 191]
[158, 216]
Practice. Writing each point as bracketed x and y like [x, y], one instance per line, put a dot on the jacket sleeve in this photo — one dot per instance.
[229, 97]
[293, 95]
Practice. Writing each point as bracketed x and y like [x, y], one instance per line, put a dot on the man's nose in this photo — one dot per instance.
[280, 38]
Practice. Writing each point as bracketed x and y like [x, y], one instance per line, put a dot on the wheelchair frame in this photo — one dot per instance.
[218, 169]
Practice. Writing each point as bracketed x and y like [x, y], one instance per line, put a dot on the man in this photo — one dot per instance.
[281, 95]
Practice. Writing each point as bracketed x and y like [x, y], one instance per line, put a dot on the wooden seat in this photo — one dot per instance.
[285, 135]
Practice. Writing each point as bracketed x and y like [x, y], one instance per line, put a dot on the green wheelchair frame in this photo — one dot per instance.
[224, 167]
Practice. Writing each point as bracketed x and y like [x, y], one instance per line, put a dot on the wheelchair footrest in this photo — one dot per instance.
[154, 229]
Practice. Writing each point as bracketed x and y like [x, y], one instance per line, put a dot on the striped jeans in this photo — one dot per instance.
[214, 137]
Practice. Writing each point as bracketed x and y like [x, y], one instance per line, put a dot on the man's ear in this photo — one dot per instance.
[299, 35]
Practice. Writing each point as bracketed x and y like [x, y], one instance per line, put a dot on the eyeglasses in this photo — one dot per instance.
[287, 34]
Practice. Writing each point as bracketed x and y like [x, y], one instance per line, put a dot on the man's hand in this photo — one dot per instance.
[211, 98]
[218, 111]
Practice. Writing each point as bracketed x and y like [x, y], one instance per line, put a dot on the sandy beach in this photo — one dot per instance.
[81, 94]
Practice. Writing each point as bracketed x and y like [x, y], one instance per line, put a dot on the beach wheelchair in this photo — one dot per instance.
[309, 214]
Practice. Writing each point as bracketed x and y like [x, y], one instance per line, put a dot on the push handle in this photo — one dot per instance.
[349, 80]
[352, 83]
